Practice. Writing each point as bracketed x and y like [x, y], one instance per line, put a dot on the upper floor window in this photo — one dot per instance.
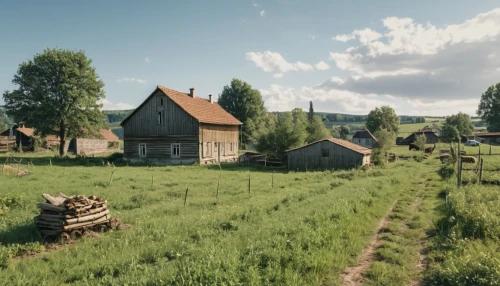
[325, 152]
[161, 101]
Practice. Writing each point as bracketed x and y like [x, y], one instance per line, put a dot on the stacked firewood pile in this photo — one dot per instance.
[72, 216]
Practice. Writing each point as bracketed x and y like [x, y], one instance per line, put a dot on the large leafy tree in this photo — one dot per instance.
[344, 131]
[278, 135]
[317, 130]
[382, 118]
[386, 139]
[461, 122]
[489, 108]
[58, 93]
[244, 103]
[300, 124]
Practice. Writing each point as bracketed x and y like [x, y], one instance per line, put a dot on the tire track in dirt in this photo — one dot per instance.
[353, 275]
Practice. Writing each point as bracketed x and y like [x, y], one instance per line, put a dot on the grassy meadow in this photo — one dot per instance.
[292, 228]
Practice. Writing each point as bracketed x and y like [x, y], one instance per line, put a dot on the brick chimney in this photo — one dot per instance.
[191, 92]
[210, 98]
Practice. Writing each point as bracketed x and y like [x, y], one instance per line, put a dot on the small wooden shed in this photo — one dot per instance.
[330, 153]
[365, 138]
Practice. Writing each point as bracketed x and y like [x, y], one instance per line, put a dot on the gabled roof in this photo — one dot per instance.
[199, 108]
[420, 132]
[364, 134]
[486, 134]
[346, 144]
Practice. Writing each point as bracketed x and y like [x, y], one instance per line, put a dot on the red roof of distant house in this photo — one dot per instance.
[346, 144]
[107, 134]
[486, 134]
[199, 108]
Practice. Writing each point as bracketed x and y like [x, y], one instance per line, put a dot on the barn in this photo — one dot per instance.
[430, 135]
[330, 153]
[173, 128]
[365, 138]
[489, 137]
[108, 142]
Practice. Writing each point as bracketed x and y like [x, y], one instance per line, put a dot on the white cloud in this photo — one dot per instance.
[131, 79]
[278, 75]
[312, 36]
[262, 13]
[423, 62]
[344, 38]
[322, 66]
[255, 5]
[273, 62]
[108, 105]
[337, 80]
[146, 60]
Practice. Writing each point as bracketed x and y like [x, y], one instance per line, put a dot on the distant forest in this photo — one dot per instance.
[116, 115]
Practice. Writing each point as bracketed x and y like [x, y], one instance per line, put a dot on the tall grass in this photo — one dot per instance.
[309, 226]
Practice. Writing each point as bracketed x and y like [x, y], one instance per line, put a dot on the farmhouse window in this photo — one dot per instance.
[325, 152]
[209, 149]
[161, 101]
[231, 149]
[176, 150]
[142, 150]
[222, 148]
[160, 118]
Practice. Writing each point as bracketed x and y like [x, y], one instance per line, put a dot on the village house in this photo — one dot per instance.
[430, 135]
[330, 153]
[25, 137]
[365, 138]
[488, 137]
[172, 127]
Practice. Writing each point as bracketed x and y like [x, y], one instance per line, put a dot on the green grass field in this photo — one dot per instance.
[292, 228]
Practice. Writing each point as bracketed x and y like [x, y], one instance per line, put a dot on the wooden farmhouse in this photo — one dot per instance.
[330, 153]
[430, 135]
[365, 138]
[172, 128]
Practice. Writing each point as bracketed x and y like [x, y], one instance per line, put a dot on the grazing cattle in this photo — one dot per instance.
[468, 159]
[414, 147]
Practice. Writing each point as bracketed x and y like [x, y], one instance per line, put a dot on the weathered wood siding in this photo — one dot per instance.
[365, 142]
[145, 122]
[160, 148]
[312, 156]
[218, 143]
[90, 146]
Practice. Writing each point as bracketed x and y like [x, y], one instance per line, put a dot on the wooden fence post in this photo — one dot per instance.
[481, 171]
[459, 173]
[272, 181]
[249, 184]
[50, 162]
[217, 193]
[111, 178]
[186, 196]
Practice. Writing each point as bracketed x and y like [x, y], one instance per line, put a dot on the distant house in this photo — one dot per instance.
[330, 153]
[365, 138]
[172, 127]
[94, 145]
[26, 137]
[400, 141]
[431, 136]
[488, 137]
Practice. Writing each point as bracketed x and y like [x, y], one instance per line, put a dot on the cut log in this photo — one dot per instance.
[86, 218]
[46, 206]
[98, 221]
[57, 201]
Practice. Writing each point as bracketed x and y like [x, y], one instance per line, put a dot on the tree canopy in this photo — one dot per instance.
[59, 93]
[461, 122]
[344, 131]
[316, 130]
[244, 103]
[385, 138]
[310, 115]
[382, 118]
[489, 108]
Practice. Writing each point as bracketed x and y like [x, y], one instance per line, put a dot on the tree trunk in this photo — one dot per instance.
[62, 139]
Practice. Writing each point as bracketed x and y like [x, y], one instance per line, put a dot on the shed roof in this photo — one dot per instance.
[107, 134]
[486, 134]
[199, 108]
[364, 134]
[346, 144]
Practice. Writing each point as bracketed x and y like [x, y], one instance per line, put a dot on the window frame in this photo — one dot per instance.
[160, 118]
[323, 153]
[145, 150]
[172, 148]
[161, 101]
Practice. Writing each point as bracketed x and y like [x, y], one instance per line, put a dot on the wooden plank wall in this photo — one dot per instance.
[160, 147]
[145, 121]
[90, 146]
[215, 142]
[339, 157]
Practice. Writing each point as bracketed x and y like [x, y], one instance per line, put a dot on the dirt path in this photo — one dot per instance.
[353, 275]
[422, 256]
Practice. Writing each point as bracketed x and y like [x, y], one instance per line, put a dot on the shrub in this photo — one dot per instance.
[446, 171]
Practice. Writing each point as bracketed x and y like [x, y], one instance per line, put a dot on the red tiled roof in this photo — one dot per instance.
[109, 135]
[199, 108]
[346, 144]
[486, 134]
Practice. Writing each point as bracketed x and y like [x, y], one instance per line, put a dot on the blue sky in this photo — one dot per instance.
[345, 56]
